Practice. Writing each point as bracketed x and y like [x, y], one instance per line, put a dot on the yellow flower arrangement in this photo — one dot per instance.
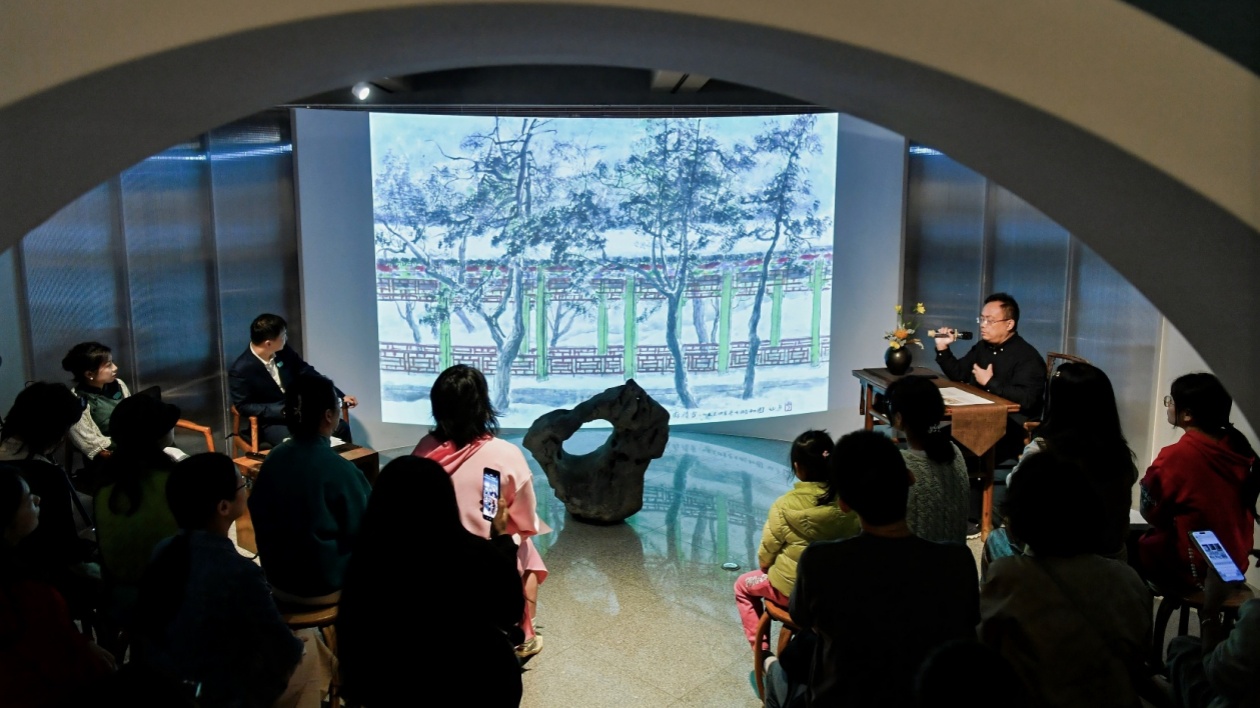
[900, 336]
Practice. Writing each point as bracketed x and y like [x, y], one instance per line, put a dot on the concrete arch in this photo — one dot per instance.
[1140, 141]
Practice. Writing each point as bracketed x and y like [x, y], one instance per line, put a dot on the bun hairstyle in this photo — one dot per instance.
[918, 401]
[84, 357]
[307, 399]
[811, 451]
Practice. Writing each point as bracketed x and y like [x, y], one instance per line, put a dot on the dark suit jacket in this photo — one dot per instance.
[255, 393]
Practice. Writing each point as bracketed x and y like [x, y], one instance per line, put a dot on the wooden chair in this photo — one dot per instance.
[1171, 603]
[182, 424]
[322, 618]
[241, 444]
[779, 614]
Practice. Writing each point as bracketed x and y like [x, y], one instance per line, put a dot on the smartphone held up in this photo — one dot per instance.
[1212, 549]
[489, 493]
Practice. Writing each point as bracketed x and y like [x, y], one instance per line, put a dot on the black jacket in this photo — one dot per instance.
[255, 393]
[1019, 372]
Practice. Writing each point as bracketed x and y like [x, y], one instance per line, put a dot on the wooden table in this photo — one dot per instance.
[365, 458]
[875, 382]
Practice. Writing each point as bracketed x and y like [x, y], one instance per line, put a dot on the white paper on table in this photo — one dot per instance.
[336, 441]
[958, 397]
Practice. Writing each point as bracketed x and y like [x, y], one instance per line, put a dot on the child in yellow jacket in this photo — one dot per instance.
[796, 520]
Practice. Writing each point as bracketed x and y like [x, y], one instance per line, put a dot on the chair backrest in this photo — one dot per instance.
[239, 442]
[1053, 359]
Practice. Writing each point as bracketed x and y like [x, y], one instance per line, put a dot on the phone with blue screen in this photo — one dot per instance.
[489, 493]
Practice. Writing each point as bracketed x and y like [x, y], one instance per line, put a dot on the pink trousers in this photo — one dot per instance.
[750, 590]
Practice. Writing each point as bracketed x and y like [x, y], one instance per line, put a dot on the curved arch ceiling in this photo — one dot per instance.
[1143, 143]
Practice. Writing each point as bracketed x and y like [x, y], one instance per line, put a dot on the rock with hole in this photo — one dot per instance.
[606, 485]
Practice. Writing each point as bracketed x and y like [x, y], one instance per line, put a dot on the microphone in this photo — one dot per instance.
[958, 334]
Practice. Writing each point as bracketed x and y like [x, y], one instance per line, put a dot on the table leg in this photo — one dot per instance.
[988, 461]
[864, 407]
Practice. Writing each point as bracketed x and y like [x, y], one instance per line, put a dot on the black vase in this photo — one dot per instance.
[898, 360]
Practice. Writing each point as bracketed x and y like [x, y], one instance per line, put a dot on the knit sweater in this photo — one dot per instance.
[796, 520]
[939, 498]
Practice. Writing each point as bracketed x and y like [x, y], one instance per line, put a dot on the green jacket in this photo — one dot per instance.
[797, 520]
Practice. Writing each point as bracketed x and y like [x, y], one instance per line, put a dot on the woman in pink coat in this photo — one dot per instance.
[463, 441]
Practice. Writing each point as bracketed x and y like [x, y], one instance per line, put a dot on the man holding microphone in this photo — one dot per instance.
[1002, 363]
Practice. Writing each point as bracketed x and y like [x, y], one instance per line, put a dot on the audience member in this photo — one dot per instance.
[53, 553]
[882, 600]
[308, 502]
[206, 613]
[414, 499]
[803, 515]
[940, 494]
[1082, 422]
[132, 514]
[43, 657]
[1220, 668]
[1073, 625]
[259, 380]
[96, 382]
[463, 441]
[1204, 481]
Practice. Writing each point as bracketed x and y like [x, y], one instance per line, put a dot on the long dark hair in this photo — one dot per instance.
[306, 401]
[462, 411]
[921, 407]
[1082, 423]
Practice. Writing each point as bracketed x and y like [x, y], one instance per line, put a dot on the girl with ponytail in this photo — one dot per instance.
[805, 514]
[937, 507]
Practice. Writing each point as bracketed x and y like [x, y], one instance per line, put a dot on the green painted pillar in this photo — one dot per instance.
[631, 335]
[445, 359]
[776, 312]
[815, 325]
[540, 318]
[601, 345]
[724, 322]
[529, 304]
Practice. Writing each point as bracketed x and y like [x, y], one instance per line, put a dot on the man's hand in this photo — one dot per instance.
[944, 337]
[350, 401]
[983, 376]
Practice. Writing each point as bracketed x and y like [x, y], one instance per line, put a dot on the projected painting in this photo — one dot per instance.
[564, 256]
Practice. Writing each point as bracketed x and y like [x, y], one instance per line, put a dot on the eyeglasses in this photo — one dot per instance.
[989, 320]
[247, 483]
[1167, 401]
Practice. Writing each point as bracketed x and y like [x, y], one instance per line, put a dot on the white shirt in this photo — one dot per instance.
[272, 369]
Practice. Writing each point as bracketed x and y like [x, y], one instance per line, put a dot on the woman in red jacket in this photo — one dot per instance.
[1204, 481]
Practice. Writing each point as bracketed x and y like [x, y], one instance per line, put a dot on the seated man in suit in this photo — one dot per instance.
[1002, 363]
[258, 378]
[879, 602]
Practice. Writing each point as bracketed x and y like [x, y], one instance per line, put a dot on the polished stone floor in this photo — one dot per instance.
[642, 613]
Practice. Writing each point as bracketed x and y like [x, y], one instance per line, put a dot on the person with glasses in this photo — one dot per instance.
[206, 614]
[1002, 363]
[1206, 480]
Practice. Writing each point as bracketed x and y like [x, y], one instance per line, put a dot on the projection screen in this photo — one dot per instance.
[563, 256]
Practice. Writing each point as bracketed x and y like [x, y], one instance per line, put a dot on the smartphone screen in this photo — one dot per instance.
[1216, 554]
[489, 493]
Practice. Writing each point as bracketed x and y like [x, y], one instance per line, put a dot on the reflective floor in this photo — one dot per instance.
[642, 613]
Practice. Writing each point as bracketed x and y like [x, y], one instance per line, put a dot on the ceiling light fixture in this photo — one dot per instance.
[361, 90]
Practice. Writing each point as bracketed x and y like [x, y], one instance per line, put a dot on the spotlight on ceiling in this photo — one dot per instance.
[361, 90]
